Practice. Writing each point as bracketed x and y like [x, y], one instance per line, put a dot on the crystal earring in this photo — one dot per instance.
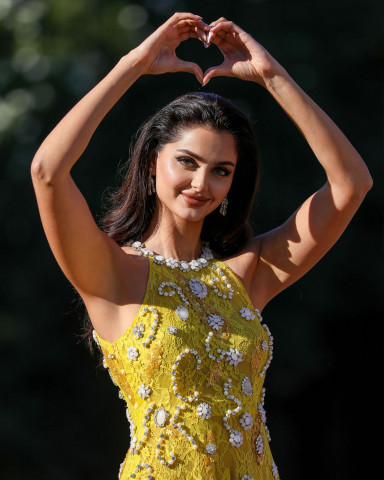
[151, 183]
[224, 206]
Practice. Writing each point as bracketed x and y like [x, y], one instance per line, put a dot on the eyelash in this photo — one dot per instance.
[191, 162]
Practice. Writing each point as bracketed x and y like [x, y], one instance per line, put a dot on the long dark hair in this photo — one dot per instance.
[132, 208]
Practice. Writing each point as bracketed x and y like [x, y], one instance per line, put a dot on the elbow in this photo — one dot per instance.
[41, 172]
[364, 185]
[38, 171]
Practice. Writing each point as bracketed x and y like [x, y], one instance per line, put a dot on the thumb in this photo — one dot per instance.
[217, 71]
[190, 67]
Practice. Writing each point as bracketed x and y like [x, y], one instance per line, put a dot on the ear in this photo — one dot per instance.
[153, 162]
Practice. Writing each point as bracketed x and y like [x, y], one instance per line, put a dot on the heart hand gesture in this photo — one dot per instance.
[157, 53]
[244, 57]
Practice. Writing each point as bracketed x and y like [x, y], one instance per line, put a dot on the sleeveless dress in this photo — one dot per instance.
[191, 369]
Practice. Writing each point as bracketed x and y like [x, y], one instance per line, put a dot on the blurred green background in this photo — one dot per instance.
[60, 416]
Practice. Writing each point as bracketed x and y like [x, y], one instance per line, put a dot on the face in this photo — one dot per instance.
[195, 173]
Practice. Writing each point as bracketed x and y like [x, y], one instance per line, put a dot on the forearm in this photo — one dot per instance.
[343, 165]
[68, 140]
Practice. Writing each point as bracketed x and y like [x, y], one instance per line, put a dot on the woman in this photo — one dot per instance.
[181, 335]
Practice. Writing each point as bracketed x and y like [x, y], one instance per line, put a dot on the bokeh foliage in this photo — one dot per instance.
[60, 416]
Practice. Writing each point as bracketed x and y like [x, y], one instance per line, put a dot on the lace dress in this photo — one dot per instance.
[191, 369]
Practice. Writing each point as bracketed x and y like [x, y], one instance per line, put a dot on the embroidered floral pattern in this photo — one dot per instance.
[138, 330]
[246, 421]
[211, 448]
[132, 353]
[206, 339]
[144, 391]
[247, 313]
[215, 322]
[172, 330]
[198, 288]
[204, 410]
[236, 438]
[182, 312]
[234, 357]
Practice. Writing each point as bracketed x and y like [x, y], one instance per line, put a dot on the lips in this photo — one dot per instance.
[194, 200]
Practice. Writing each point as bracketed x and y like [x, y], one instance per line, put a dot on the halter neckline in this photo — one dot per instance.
[196, 264]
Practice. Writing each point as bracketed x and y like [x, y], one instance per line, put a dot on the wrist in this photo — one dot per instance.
[274, 76]
[133, 63]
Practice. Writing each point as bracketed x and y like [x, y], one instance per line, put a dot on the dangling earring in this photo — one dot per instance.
[151, 183]
[224, 206]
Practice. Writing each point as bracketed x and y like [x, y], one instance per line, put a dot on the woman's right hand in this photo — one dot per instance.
[157, 53]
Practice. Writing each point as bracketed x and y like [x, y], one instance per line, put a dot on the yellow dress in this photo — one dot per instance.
[191, 369]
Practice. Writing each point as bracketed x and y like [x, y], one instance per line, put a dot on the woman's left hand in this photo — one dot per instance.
[244, 57]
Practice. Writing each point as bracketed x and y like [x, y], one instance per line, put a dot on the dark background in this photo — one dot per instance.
[60, 416]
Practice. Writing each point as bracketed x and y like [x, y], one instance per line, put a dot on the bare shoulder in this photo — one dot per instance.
[244, 265]
[111, 316]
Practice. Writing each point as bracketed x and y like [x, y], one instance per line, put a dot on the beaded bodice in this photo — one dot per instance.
[191, 369]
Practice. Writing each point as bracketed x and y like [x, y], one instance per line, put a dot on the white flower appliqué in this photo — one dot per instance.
[246, 386]
[215, 322]
[247, 313]
[182, 312]
[144, 391]
[236, 438]
[234, 357]
[172, 330]
[275, 472]
[263, 413]
[246, 421]
[211, 448]
[138, 330]
[198, 288]
[259, 445]
[204, 410]
[132, 353]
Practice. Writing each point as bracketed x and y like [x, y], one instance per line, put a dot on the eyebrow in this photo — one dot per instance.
[201, 159]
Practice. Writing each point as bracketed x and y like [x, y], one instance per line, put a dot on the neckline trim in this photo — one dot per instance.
[172, 263]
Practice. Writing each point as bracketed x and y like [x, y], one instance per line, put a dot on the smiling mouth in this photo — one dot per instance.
[194, 201]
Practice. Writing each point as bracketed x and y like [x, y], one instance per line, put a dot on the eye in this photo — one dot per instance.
[223, 172]
[186, 161]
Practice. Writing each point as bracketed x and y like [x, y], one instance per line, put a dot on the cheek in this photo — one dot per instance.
[171, 176]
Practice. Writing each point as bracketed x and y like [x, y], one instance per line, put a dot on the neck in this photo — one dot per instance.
[174, 237]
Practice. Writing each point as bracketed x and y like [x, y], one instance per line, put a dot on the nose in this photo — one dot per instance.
[200, 180]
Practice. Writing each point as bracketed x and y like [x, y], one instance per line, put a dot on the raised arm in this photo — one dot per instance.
[289, 251]
[87, 256]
